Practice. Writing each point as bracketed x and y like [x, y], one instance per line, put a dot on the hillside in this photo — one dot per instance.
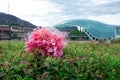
[7, 19]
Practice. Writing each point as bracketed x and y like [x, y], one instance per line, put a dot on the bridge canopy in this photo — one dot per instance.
[96, 29]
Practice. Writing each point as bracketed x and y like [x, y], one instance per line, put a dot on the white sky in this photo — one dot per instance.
[50, 12]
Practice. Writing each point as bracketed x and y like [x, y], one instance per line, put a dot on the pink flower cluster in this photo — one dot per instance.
[45, 42]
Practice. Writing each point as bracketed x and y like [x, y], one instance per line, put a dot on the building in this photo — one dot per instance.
[5, 32]
[93, 29]
[14, 32]
[117, 31]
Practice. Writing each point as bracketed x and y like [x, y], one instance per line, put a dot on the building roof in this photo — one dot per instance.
[118, 26]
[96, 29]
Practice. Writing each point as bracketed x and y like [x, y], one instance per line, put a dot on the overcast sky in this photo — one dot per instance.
[50, 12]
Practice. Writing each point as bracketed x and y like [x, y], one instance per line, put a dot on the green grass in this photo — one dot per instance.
[80, 61]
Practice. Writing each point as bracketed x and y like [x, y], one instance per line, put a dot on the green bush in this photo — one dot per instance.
[73, 35]
[115, 40]
[80, 61]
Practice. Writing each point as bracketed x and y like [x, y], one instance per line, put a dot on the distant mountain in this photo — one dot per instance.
[8, 19]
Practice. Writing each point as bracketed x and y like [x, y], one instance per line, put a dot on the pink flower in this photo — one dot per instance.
[44, 42]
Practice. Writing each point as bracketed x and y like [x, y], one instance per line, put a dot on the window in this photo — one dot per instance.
[117, 31]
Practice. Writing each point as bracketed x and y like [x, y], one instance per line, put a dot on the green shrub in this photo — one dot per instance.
[81, 61]
[115, 40]
[75, 35]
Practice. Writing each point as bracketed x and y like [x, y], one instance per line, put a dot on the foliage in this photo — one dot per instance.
[76, 33]
[81, 61]
[73, 33]
[115, 40]
[14, 24]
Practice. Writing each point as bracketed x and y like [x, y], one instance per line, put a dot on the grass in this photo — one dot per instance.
[80, 61]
